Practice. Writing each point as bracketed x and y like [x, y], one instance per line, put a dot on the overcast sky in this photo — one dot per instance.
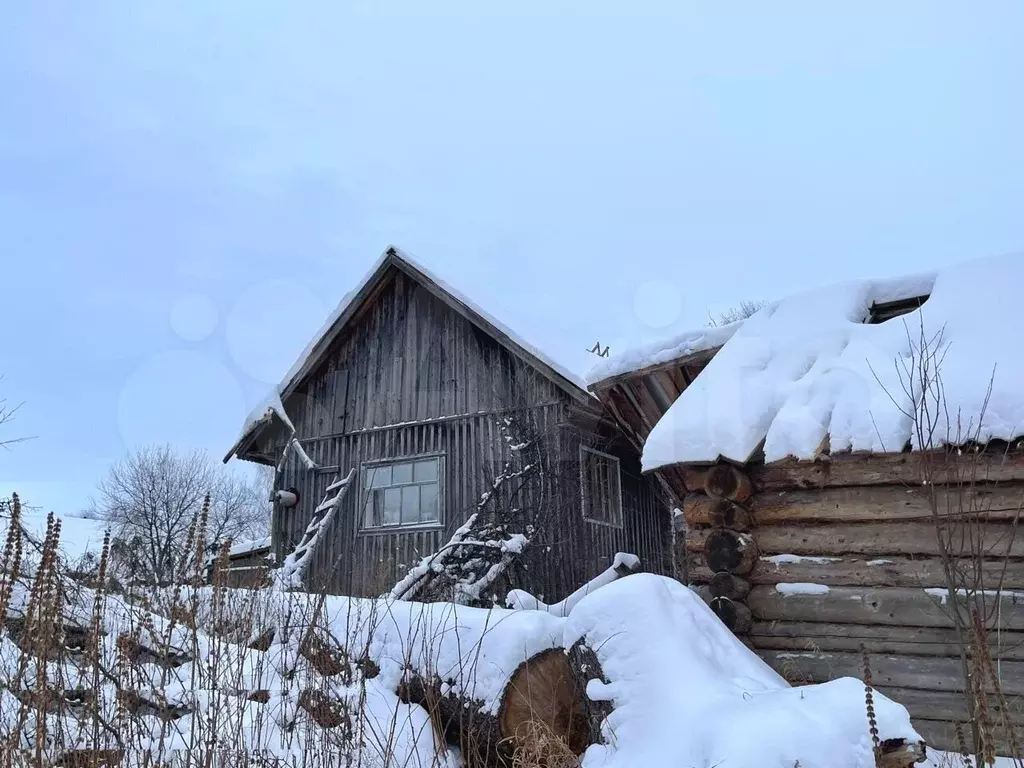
[188, 188]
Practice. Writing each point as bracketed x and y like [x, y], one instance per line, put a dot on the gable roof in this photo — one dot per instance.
[349, 306]
[810, 374]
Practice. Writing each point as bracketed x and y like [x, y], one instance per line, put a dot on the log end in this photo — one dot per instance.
[736, 616]
[541, 700]
[725, 584]
[727, 550]
[727, 481]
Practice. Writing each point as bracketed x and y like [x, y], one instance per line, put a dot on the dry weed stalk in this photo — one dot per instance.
[953, 462]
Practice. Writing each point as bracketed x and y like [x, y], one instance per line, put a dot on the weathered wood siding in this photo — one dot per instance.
[863, 531]
[411, 376]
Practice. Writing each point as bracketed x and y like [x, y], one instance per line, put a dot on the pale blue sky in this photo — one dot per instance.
[187, 188]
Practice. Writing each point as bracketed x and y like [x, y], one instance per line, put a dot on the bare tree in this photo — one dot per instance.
[742, 312]
[7, 413]
[152, 496]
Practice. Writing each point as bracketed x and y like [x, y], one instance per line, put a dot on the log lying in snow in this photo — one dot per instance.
[544, 706]
[543, 693]
[623, 565]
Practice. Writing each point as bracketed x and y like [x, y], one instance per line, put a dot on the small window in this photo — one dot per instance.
[601, 487]
[880, 312]
[402, 493]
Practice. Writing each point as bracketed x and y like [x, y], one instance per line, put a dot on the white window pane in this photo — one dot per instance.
[410, 505]
[392, 506]
[425, 471]
[428, 503]
[401, 473]
[380, 477]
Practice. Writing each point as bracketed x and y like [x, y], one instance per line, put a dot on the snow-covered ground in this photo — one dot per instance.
[809, 367]
[683, 690]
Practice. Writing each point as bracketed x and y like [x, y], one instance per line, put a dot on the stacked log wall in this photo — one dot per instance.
[855, 539]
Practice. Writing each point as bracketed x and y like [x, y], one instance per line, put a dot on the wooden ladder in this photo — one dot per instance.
[295, 564]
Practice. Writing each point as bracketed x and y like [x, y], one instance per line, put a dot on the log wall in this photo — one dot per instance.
[846, 557]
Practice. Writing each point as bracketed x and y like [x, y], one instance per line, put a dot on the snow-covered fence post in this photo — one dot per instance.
[623, 565]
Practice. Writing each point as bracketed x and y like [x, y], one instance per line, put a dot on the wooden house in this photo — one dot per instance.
[859, 503]
[408, 385]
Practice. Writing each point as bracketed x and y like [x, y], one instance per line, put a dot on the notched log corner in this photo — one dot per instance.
[727, 550]
[727, 481]
[735, 615]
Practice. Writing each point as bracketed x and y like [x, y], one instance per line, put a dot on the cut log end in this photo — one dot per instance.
[729, 514]
[725, 584]
[727, 550]
[542, 696]
[736, 616]
[727, 481]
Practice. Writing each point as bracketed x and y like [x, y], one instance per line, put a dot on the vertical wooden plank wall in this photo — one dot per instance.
[411, 376]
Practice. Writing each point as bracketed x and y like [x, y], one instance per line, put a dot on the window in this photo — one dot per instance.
[880, 312]
[404, 492]
[601, 487]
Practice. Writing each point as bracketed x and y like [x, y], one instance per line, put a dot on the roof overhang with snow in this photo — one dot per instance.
[271, 412]
[813, 374]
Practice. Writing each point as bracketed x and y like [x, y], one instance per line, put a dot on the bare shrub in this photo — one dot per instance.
[954, 466]
[735, 314]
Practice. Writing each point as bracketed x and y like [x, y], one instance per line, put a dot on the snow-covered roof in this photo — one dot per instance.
[239, 548]
[662, 351]
[272, 404]
[809, 368]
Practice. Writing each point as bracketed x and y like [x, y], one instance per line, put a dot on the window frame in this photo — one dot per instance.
[376, 530]
[619, 523]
